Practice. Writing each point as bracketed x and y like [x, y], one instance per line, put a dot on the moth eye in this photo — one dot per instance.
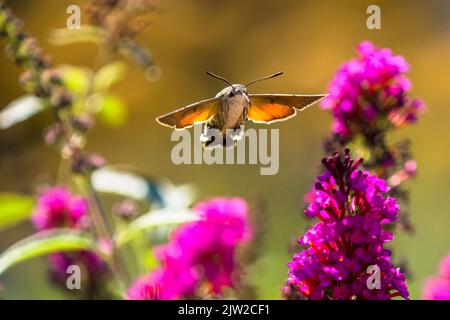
[231, 94]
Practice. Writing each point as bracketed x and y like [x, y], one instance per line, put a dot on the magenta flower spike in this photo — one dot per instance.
[199, 255]
[58, 208]
[371, 93]
[352, 207]
[438, 287]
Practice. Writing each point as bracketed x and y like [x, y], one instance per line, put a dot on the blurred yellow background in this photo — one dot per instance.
[242, 40]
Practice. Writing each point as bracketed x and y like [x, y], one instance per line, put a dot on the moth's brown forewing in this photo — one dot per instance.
[186, 117]
[268, 108]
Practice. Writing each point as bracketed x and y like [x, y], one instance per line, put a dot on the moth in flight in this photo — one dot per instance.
[227, 112]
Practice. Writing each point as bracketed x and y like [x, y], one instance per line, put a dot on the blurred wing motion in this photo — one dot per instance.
[268, 108]
[194, 113]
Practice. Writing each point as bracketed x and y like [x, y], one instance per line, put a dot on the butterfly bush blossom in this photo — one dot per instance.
[200, 255]
[352, 207]
[58, 208]
[370, 92]
[438, 287]
[368, 97]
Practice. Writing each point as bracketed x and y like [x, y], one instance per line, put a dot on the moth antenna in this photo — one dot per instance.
[265, 78]
[219, 77]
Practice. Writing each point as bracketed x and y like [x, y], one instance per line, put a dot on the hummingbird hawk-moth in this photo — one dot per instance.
[232, 107]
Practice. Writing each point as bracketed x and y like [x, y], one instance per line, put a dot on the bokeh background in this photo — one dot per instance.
[242, 40]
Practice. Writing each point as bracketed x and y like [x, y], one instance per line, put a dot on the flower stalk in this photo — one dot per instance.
[353, 208]
[40, 79]
[370, 97]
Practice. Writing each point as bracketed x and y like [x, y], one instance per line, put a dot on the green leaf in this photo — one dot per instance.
[14, 208]
[87, 33]
[43, 243]
[108, 75]
[113, 111]
[20, 110]
[135, 185]
[118, 181]
[154, 219]
[76, 79]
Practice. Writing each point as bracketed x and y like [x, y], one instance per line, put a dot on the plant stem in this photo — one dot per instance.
[24, 51]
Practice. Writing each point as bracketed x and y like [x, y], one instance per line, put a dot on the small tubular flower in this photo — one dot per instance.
[352, 207]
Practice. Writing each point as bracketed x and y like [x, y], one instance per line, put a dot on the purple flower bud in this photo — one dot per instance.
[126, 209]
[88, 162]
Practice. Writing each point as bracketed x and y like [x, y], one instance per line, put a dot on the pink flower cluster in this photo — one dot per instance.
[58, 208]
[199, 255]
[352, 208]
[370, 92]
[438, 287]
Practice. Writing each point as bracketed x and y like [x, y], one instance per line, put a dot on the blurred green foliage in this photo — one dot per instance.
[14, 208]
[44, 243]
